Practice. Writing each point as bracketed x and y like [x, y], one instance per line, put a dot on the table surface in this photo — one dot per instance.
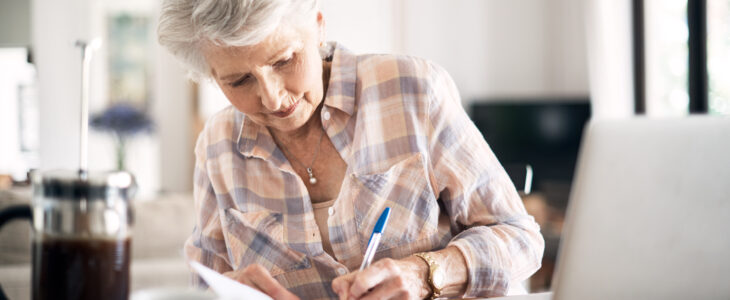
[191, 294]
[536, 296]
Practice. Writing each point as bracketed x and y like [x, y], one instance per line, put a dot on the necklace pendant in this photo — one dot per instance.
[312, 180]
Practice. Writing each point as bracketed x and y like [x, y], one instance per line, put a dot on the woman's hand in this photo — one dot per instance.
[385, 279]
[259, 278]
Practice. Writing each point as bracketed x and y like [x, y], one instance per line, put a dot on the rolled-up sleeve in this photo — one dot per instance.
[206, 244]
[501, 243]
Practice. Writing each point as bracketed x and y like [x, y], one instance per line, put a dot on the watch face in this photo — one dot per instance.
[438, 279]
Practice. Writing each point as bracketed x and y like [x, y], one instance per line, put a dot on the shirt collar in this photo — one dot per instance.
[256, 140]
[343, 75]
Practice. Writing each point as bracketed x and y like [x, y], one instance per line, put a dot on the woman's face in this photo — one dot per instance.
[277, 82]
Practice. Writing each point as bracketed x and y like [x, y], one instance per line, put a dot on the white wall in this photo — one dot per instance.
[492, 48]
[362, 26]
[172, 110]
[610, 58]
[56, 25]
[568, 60]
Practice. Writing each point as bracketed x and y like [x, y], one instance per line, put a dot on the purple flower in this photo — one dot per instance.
[123, 120]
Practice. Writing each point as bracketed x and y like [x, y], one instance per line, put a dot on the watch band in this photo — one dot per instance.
[432, 267]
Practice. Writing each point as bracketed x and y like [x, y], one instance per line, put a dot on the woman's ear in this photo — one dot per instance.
[320, 27]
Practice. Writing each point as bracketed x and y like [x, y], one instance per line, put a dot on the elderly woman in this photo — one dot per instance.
[291, 178]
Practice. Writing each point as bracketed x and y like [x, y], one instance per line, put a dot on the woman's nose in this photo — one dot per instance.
[271, 92]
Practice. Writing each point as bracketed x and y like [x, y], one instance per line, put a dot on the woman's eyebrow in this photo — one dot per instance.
[280, 53]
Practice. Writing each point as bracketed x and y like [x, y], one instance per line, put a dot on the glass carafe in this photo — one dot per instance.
[82, 228]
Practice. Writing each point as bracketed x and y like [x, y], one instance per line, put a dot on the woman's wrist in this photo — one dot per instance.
[450, 275]
[419, 269]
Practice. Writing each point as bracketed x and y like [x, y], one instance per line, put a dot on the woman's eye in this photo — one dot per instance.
[241, 81]
[283, 62]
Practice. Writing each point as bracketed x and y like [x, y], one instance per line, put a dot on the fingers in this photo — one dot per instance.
[371, 277]
[394, 288]
[258, 277]
[267, 284]
[385, 276]
[240, 276]
[341, 285]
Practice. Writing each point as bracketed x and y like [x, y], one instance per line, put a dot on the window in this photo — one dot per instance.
[685, 39]
[718, 56]
[666, 57]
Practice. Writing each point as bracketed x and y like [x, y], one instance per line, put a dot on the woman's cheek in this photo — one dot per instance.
[244, 103]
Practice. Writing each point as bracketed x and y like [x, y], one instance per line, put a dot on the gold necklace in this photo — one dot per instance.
[312, 179]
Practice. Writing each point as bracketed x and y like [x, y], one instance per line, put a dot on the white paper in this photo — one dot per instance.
[225, 287]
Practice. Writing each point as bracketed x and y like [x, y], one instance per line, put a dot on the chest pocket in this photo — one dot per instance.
[405, 188]
[256, 238]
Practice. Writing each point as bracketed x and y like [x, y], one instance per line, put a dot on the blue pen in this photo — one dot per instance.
[375, 239]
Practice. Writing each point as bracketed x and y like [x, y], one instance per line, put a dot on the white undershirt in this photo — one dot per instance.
[321, 215]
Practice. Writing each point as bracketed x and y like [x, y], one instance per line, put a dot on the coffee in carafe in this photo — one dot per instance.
[81, 269]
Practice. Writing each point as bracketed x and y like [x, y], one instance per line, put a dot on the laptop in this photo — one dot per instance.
[649, 212]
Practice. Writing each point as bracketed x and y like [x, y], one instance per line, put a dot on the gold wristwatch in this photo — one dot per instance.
[434, 279]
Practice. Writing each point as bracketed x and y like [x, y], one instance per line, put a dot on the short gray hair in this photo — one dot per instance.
[186, 25]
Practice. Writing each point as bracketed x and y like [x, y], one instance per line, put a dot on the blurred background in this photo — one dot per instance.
[530, 73]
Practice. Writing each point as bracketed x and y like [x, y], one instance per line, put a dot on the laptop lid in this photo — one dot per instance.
[649, 213]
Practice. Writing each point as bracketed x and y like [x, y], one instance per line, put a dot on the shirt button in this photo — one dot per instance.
[326, 116]
[341, 271]
[331, 211]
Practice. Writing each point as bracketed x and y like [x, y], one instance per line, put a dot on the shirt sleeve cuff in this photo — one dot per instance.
[484, 281]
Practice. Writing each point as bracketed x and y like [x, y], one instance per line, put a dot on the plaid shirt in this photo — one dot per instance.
[399, 125]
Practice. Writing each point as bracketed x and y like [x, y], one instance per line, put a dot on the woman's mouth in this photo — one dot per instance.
[287, 111]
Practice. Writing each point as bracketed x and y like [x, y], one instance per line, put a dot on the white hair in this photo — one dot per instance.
[185, 26]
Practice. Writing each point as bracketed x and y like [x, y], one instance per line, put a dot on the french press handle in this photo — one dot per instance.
[8, 214]
[22, 211]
